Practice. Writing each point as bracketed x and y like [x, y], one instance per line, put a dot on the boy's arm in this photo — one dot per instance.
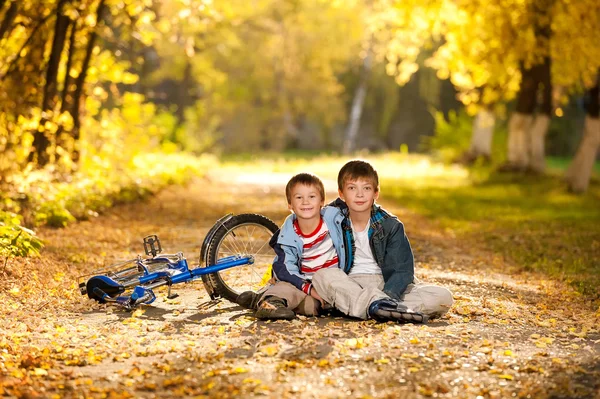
[286, 265]
[399, 265]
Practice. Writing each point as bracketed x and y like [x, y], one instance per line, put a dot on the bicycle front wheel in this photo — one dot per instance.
[244, 234]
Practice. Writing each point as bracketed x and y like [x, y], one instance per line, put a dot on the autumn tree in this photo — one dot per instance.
[496, 52]
[580, 171]
[52, 59]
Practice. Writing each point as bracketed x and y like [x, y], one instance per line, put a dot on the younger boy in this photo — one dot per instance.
[309, 240]
[379, 259]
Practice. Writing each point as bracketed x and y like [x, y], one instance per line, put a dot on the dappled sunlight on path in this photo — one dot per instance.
[508, 334]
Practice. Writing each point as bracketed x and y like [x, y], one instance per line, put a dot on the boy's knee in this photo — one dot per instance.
[447, 298]
[441, 301]
[325, 277]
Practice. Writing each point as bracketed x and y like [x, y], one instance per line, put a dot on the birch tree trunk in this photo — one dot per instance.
[481, 139]
[537, 141]
[518, 128]
[580, 171]
[357, 107]
[526, 131]
[520, 123]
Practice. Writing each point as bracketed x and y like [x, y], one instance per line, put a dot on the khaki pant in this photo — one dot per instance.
[296, 299]
[353, 294]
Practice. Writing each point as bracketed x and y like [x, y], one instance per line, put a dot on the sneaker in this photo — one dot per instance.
[274, 308]
[388, 309]
[248, 299]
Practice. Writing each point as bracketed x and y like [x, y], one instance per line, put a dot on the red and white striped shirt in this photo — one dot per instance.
[318, 251]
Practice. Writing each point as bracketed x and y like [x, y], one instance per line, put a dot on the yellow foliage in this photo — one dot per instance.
[483, 42]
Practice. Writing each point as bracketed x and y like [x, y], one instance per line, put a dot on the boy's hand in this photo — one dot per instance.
[315, 294]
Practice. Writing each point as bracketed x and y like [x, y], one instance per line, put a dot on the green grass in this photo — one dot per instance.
[561, 164]
[533, 221]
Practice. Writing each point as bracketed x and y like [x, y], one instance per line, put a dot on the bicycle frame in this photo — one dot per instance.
[243, 236]
[109, 286]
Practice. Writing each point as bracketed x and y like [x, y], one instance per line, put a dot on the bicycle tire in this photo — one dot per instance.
[249, 234]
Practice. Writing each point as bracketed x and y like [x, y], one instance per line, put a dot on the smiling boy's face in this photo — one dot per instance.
[306, 201]
[359, 195]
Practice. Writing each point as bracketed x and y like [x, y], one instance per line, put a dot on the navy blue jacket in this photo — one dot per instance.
[390, 247]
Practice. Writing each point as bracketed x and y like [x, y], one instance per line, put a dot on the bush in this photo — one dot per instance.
[452, 137]
[16, 240]
[41, 200]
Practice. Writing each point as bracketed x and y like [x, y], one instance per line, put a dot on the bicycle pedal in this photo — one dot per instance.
[172, 296]
[152, 245]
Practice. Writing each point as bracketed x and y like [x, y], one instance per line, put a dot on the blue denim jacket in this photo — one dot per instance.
[288, 248]
[390, 247]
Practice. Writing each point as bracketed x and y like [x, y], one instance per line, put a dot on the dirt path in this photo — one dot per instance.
[507, 335]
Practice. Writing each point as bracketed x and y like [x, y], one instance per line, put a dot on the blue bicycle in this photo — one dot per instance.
[235, 257]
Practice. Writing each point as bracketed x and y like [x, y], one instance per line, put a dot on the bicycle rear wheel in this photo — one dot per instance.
[244, 234]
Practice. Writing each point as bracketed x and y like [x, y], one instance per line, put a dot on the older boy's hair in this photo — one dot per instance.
[357, 169]
[308, 180]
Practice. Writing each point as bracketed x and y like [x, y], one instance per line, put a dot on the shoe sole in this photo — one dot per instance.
[276, 317]
[399, 316]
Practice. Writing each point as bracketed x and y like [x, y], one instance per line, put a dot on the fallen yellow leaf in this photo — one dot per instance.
[269, 350]
[239, 370]
[40, 372]
[355, 343]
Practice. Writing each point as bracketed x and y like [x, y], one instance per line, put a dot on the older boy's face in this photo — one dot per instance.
[359, 195]
[306, 202]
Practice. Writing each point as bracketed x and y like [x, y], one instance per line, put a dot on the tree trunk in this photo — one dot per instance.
[357, 107]
[520, 122]
[527, 132]
[80, 81]
[481, 140]
[183, 97]
[539, 128]
[580, 171]
[41, 139]
[67, 97]
[9, 17]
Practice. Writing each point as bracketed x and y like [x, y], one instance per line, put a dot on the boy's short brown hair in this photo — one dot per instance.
[357, 169]
[308, 180]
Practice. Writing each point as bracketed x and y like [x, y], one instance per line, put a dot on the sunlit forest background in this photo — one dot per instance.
[103, 101]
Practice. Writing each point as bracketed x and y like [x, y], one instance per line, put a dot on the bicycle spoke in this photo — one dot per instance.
[238, 239]
[252, 239]
[261, 247]
[249, 243]
[231, 245]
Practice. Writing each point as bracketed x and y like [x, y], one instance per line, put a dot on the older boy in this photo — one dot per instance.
[309, 240]
[379, 259]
